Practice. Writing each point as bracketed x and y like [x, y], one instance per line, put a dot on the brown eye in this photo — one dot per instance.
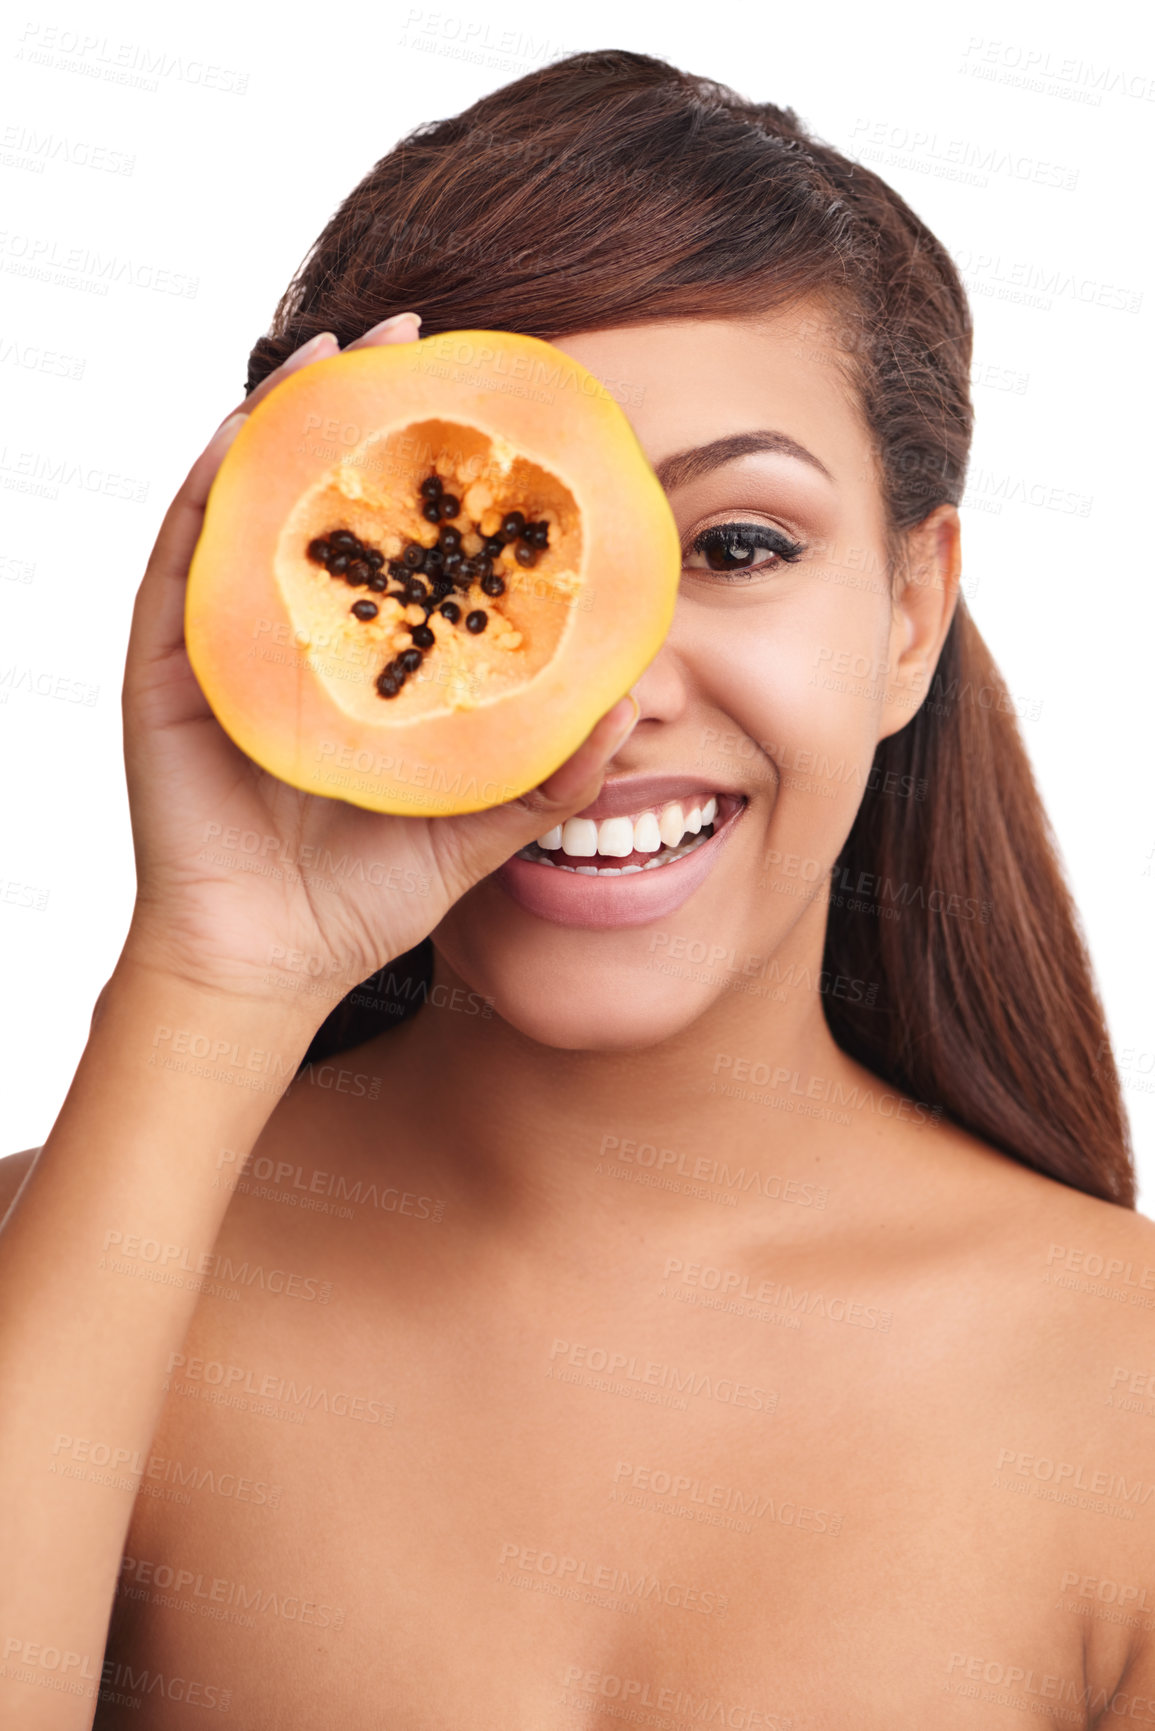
[727, 552]
[743, 547]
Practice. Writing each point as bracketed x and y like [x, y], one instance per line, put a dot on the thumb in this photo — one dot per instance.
[477, 843]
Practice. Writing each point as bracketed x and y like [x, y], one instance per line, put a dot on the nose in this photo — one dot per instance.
[662, 691]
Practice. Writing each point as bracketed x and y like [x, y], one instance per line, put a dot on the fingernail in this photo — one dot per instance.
[627, 721]
[391, 324]
[313, 343]
[228, 430]
[569, 780]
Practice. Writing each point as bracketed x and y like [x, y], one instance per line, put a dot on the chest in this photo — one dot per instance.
[471, 1500]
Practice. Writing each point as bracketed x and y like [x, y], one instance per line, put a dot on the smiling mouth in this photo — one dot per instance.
[647, 841]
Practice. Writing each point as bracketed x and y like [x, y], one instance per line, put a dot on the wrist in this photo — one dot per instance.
[203, 1009]
[150, 953]
[172, 1073]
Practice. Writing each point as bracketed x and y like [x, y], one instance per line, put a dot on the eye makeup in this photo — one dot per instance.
[740, 549]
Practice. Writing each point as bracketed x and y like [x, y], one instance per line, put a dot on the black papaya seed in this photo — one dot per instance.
[449, 504]
[450, 539]
[339, 565]
[431, 510]
[318, 550]
[451, 611]
[422, 636]
[494, 584]
[525, 554]
[476, 621]
[358, 572]
[373, 558]
[413, 555]
[345, 539]
[431, 487]
[364, 609]
[410, 660]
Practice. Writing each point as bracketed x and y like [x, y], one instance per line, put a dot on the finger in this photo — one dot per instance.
[471, 847]
[158, 617]
[319, 348]
[568, 787]
[401, 328]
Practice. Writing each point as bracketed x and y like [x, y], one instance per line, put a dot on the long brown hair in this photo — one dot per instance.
[611, 188]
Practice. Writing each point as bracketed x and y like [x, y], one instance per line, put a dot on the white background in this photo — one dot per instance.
[214, 171]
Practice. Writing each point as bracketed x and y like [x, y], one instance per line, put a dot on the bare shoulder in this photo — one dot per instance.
[1041, 1299]
[1040, 1245]
[1080, 1291]
[14, 1169]
[1084, 1271]
[1047, 1296]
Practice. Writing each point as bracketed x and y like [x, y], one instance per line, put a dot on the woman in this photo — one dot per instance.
[711, 1294]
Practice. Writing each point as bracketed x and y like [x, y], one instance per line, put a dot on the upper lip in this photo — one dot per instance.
[626, 796]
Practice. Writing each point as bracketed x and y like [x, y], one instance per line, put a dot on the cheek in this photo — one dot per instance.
[800, 672]
[806, 685]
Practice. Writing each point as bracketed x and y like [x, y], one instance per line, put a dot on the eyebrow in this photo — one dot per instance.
[685, 466]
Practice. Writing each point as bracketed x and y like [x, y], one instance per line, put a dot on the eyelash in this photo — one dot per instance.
[744, 537]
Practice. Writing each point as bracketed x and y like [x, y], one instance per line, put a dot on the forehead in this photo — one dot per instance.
[687, 382]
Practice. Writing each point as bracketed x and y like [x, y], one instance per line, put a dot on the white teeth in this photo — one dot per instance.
[647, 837]
[671, 829]
[654, 864]
[579, 838]
[616, 837]
[671, 826]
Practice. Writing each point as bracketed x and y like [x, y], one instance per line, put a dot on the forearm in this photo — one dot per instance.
[101, 1257]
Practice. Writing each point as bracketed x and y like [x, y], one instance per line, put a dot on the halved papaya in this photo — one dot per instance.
[427, 569]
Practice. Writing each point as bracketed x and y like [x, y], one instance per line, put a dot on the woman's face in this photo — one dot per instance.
[788, 659]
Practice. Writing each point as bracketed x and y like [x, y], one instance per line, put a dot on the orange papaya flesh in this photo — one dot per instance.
[426, 570]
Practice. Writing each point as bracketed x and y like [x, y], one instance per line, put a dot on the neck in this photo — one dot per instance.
[751, 1100]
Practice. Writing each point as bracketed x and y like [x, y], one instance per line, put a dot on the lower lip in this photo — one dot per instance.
[567, 898]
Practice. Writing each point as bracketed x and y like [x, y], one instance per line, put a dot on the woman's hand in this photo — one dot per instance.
[220, 916]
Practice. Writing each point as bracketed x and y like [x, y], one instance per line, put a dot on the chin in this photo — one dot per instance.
[576, 991]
